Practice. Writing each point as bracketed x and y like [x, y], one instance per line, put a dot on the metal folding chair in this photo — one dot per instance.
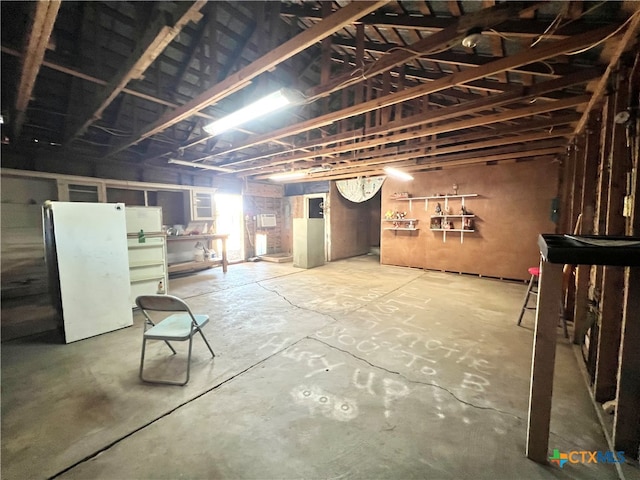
[180, 324]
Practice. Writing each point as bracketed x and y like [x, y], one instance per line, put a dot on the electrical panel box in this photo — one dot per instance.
[266, 220]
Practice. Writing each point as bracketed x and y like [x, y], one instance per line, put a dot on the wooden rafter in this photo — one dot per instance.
[532, 55]
[523, 28]
[156, 38]
[40, 28]
[627, 39]
[447, 37]
[438, 129]
[456, 111]
[422, 150]
[242, 78]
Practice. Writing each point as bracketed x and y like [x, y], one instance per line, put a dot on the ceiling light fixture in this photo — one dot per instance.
[399, 174]
[284, 176]
[272, 102]
[473, 37]
[200, 165]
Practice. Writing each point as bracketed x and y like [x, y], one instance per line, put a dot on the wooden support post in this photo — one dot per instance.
[568, 168]
[613, 277]
[589, 183]
[575, 200]
[626, 423]
[543, 361]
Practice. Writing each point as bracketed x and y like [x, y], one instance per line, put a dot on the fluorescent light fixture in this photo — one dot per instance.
[284, 176]
[257, 109]
[399, 174]
[200, 165]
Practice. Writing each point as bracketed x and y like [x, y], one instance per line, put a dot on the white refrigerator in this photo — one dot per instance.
[87, 261]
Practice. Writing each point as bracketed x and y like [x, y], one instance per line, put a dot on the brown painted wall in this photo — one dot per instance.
[349, 225]
[512, 208]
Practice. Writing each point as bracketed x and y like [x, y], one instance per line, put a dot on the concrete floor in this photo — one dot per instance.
[350, 370]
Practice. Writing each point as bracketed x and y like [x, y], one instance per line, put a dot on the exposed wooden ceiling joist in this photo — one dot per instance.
[40, 28]
[630, 36]
[437, 129]
[528, 56]
[443, 39]
[425, 95]
[155, 39]
[483, 103]
[523, 28]
[240, 79]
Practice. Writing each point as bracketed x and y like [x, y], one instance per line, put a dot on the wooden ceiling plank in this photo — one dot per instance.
[196, 43]
[623, 44]
[333, 23]
[160, 33]
[37, 39]
[447, 37]
[542, 52]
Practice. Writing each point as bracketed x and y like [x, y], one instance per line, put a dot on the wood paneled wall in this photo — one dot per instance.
[512, 208]
[350, 225]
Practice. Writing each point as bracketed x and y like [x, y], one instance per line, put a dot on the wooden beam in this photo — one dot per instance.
[415, 162]
[409, 166]
[452, 58]
[511, 28]
[92, 79]
[587, 208]
[196, 43]
[345, 16]
[543, 362]
[613, 277]
[626, 422]
[415, 151]
[437, 129]
[159, 34]
[546, 124]
[532, 55]
[485, 18]
[37, 39]
[623, 44]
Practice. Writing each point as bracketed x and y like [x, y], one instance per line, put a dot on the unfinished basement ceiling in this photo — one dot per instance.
[384, 83]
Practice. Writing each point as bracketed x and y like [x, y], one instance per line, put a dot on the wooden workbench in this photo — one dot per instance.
[206, 263]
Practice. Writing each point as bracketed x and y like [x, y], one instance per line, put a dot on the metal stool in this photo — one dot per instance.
[532, 289]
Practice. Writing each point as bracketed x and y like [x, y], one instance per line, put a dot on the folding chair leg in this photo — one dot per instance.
[165, 382]
[172, 349]
[205, 341]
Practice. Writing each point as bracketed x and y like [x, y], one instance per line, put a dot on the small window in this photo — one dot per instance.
[83, 193]
[203, 206]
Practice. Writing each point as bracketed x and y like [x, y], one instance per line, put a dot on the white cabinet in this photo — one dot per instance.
[147, 264]
[147, 252]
